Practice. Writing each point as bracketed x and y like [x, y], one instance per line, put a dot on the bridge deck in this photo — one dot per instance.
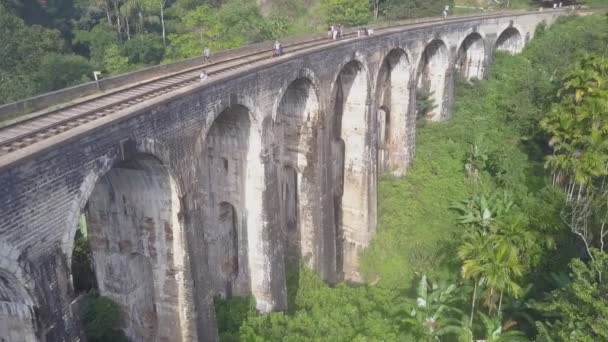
[36, 127]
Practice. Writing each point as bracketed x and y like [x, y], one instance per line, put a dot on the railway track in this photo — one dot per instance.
[29, 131]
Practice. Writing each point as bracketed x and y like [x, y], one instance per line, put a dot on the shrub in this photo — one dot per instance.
[102, 320]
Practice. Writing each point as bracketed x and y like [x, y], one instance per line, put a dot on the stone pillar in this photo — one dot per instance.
[268, 283]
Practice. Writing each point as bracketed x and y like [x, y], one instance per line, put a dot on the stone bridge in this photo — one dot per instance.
[216, 188]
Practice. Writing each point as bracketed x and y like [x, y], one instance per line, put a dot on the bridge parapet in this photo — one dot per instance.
[63, 97]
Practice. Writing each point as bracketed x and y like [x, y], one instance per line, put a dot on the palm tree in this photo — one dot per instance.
[503, 268]
[474, 253]
[493, 260]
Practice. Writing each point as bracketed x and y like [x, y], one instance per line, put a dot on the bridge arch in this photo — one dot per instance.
[17, 306]
[238, 168]
[510, 40]
[302, 74]
[471, 56]
[138, 247]
[230, 174]
[432, 80]
[102, 166]
[393, 98]
[349, 153]
[298, 114]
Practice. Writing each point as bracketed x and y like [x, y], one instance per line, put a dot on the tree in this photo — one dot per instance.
[57, 71]
[492, 249]
[146, 49]
[26, 57]
[347, 12]
[578, 126]
[473, 253]
[579, 311]
[235, 24]
[114, 61]
[162, 4]
[102, 319]
[95, 42]
[405, 9]
[502, 272]
[202, 28]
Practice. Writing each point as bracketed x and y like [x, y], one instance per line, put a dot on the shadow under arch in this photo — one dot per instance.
[394, 124]
[229, 236]
[470, 58]
[510, 40]
[138, 247]
[432, 80]
[383, 132]
[229, 149]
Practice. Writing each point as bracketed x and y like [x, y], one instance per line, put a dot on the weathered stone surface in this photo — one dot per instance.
[215, 188]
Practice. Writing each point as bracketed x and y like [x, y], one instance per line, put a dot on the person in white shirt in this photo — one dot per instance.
[207, 54]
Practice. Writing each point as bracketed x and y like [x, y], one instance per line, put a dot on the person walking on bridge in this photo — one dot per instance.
[278, 49]
[207, 54]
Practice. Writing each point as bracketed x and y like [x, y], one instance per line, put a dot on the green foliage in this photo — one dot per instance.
[236, 23]
[231, 314]
[429, 310]
[25, 56]
[94, 42]
[83, 276]
[347, 12]
[425, 103]
[58, 71]
[114, 62]
[406, 9]
[102, 320]
[495, 331]
[321, 313]
[579, 311]
[578, 124]
[144, 49]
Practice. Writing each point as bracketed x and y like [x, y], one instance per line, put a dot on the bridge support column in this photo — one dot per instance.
[266, 260]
